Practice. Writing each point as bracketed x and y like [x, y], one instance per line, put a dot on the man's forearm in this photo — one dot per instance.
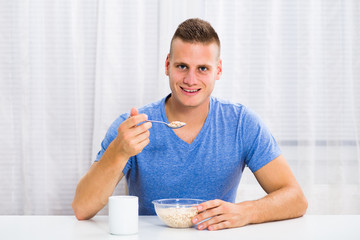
[97, 185]
[285, 203]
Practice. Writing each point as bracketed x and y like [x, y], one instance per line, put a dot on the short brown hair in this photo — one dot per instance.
[195, 30]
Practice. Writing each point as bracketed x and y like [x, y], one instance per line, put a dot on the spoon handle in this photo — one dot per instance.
[156, 121]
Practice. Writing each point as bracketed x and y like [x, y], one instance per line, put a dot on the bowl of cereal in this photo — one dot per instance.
[177, 212]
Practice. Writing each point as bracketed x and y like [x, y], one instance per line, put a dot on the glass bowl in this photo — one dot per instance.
[177, 212]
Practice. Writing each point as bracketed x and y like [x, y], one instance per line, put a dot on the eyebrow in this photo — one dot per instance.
[180, 63]
[200, 65]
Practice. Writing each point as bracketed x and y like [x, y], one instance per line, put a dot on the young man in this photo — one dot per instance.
[204, 159]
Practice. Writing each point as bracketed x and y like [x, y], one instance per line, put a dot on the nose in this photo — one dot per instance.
[190, 78]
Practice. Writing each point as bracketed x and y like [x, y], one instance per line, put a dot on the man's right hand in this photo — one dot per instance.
[132, 137]
[99, 182]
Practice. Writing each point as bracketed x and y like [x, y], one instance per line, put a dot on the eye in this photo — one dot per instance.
[181, 66]
[203, 69]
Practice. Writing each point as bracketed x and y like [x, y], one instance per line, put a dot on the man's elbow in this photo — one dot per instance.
[302, 204]
[79, 212]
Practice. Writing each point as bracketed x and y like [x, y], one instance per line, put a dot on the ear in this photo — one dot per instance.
[167, 64]
[219, 69]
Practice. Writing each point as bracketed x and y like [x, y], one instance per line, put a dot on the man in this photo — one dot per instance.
[204, 159]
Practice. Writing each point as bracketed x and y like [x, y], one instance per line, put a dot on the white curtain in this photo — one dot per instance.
[69, 68]
[47, 73]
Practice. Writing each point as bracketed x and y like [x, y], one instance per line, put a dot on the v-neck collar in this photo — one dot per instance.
[177, 140]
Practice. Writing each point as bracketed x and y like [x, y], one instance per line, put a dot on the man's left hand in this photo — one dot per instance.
[220, 214]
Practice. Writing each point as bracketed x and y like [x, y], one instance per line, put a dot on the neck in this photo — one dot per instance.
[192, 116]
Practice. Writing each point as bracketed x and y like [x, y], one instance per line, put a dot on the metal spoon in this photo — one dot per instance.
[173, 125]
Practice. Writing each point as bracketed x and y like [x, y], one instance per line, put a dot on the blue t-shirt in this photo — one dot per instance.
[208, 168]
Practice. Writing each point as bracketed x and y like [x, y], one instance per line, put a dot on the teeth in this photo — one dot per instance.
[190, 91]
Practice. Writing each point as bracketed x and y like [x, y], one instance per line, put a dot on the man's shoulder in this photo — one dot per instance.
[227, 106]
[234, 111]
[150, 107]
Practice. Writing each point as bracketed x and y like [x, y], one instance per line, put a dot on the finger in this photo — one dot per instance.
[209, 209]
[141, 145]
[214, 220]
[213, 212]
[220, 225]
[136, 134]
[135, 146]
[142, 137]
[135, 120]
[208, 205]
[133, 112]
[142, 128]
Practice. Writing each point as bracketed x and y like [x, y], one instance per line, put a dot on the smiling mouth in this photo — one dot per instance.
[189, 90]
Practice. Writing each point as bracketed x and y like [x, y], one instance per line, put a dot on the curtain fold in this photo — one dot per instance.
[69, 68]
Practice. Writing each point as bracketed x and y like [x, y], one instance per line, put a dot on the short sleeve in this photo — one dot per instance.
[258, 143]
[110, 136]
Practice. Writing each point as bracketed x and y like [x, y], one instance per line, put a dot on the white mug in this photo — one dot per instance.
[123, 215]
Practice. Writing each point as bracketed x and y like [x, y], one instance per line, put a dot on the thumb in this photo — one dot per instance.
[133, 112]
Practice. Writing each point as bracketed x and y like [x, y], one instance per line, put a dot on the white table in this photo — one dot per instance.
[344, 227]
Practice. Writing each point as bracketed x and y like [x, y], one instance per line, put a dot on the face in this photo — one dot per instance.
[193, 69]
